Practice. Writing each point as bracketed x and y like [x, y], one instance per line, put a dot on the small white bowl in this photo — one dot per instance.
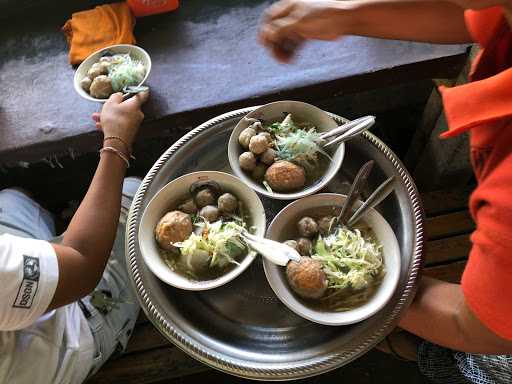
[301, 112]
[167, 199]
[135, 52]
[283, 228]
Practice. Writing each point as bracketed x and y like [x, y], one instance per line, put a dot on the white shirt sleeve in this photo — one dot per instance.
[29, 274]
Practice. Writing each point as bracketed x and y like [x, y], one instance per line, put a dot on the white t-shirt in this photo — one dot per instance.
[37, 347]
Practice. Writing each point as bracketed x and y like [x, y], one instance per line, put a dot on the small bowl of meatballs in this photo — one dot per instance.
[112, 69]
[190, 234]
[278, 151]
[345, 275]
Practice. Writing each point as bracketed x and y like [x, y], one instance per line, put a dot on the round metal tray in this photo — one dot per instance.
[242, 328]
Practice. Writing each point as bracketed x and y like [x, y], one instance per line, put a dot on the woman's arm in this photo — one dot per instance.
[87, 243]
[440, 315]
[289, 22]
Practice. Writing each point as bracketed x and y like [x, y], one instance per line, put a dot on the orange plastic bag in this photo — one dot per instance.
[141, 8]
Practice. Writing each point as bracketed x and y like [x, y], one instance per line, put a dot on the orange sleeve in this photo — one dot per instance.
[487, 283]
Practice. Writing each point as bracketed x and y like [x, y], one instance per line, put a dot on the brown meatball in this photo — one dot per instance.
[258, 144]
[188, 206]
[258, 173]
[307, 278]
[269, 156]
[245, 137]
[174, 227]
[211, 213]
[304, 246]
[247, 161]
[85, 83]
[283, 176]
[96, 70]
[227, 203]
[101, 87]
[307, 227]
[324, 225]
[204, 197]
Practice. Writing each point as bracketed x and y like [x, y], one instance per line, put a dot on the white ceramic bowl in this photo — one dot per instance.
[135, 52]
[276, 112]
[283, 227]
[167, 199]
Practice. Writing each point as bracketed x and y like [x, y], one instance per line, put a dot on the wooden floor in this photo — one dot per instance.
[151, 359]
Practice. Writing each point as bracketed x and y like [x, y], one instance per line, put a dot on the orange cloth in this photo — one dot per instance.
[89, 31]
[484, 107]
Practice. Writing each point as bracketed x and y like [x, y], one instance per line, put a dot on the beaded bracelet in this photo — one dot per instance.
[128, 148]
[118, 153]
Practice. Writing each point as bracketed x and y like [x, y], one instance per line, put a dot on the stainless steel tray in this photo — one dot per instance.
[242, 328]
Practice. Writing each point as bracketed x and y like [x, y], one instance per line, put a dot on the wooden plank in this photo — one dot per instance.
[148, 367]
[451, 224]
[445, 201]
[451, 273]
[446, 250]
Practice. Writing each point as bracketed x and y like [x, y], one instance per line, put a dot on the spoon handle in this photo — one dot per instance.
[375, 198]
[345, 127]
[354, 131]
[355, 191]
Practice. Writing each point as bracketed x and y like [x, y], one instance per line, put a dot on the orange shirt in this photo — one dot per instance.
[484, 107]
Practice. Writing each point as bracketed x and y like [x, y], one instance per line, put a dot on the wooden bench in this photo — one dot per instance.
[150, 358]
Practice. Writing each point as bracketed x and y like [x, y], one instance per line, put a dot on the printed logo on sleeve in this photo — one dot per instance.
[30, 283]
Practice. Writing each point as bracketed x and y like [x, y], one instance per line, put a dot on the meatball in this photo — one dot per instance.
[258, 173]
[96, 70]
[268, 136]
[258, 144]
[204, 197]
[85, 83]
[325, 224]
[198, 261]
[307, 278]
[257, 126]
[227, 203]
[174, 227]
[188, 206]
[211, 213]
[304, 246]
[291, 244]
[307, 227]
[247, 161]
[246, 136]
[269, 156]
[101, 87]
[283, 176]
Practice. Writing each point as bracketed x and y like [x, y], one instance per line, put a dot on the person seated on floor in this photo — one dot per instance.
[66, 303]
[467, 327]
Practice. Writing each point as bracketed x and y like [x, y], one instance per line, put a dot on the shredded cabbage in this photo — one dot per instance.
[300, 147]
[220, 239]
[349, 260]
[125, 71]
[298, 143]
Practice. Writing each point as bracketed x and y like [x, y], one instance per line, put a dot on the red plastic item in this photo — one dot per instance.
[141, 8]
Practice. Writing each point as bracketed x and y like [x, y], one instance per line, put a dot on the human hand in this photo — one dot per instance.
[121, 118]
[288, 23]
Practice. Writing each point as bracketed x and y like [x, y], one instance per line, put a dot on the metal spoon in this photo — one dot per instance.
[375, 198]
[349, 130]
[354, 192]
[277, 253]
[131, 90]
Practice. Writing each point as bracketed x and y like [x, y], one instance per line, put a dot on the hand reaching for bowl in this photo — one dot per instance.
[288, 23]
[121, 118]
